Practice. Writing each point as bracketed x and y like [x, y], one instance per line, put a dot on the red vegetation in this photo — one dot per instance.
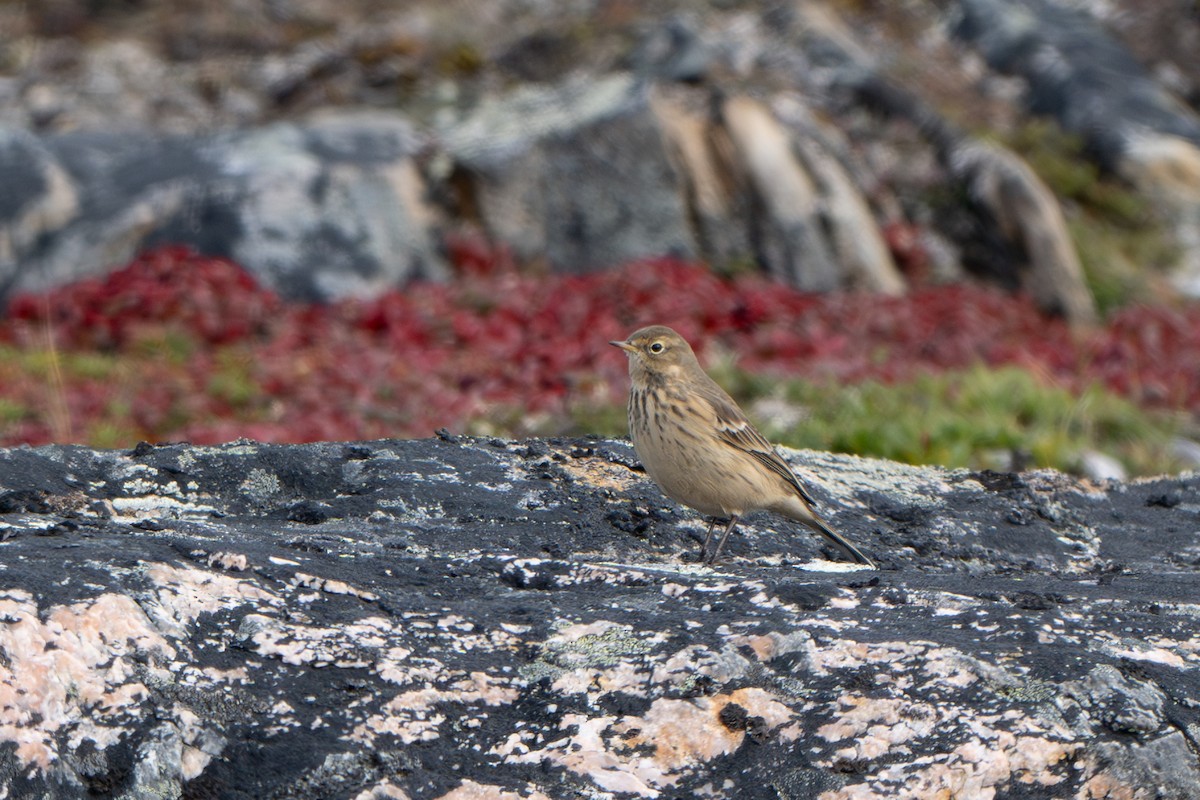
[244, 363]
[213, 300]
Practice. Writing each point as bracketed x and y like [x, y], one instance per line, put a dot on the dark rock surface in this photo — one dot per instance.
[457, 618]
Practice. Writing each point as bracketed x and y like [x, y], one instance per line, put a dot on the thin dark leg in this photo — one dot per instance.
[707, 538]
[733, 521]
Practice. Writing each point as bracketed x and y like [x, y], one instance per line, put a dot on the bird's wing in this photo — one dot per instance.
[736, 431]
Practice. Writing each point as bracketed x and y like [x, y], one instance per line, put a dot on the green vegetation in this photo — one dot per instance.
[973, 418]
[174, 347]
[232, 381]
[12, 411]
[111, 432]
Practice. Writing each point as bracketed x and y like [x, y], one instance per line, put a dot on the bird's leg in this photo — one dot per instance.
[707, 538]
[733, 521]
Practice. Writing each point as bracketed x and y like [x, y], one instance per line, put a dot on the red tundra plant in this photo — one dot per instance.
[495, 341]
[211, 299]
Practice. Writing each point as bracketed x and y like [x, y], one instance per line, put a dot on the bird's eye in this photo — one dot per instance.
[657, 347]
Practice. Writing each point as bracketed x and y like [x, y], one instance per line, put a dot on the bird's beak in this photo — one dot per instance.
[626, 346]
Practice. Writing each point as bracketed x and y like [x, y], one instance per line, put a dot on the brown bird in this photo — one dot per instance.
[699, 447]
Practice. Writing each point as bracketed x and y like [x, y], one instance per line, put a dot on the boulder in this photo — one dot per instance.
[458, 618]
[328, 209]
[1076, 71]
[577, 174]
[702, 155]
[784, 213]
[1030, 218]
[858, 243]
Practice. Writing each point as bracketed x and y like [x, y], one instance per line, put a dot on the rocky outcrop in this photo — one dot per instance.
[577, 174]
[1022, 217]
[1030, 219]
[458, 618]
[1091, 83]
[1076, 71]
[578, 139]
[330, 209]
[583, 175]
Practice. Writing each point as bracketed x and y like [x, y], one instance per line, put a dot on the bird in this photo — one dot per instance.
[700, 448]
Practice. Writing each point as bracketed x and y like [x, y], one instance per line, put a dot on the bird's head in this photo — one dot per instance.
[657, 352]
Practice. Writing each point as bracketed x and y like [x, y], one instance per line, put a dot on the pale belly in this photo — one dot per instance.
[715, 479]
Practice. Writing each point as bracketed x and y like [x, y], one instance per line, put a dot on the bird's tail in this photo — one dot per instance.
[840, 541]
[797, 508]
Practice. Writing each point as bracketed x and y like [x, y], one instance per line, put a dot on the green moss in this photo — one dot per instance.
[1121, 265]
[11, 411]
[956, 419]
[1058, 158]
[232, 379]
[735, 267]
[90, 365]
[38, 363]
[173, 346]
[108, 433]
[602, 420]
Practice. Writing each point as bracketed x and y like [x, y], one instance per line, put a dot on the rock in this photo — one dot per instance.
[784, 212]
[1101, 467]
[1075, 71]
[719, 217]
[1186, 450]
[1167, 171]
[1027, 240]
[39, 199]
[1014, 203]
[1119, 703]
[577, 174]
[330, 209]
[1029, 216]
[1026, 634]
[1081, 75]
[858, 244]
[764, 184]
[336, 208]
[673, 51]
[793, 138]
